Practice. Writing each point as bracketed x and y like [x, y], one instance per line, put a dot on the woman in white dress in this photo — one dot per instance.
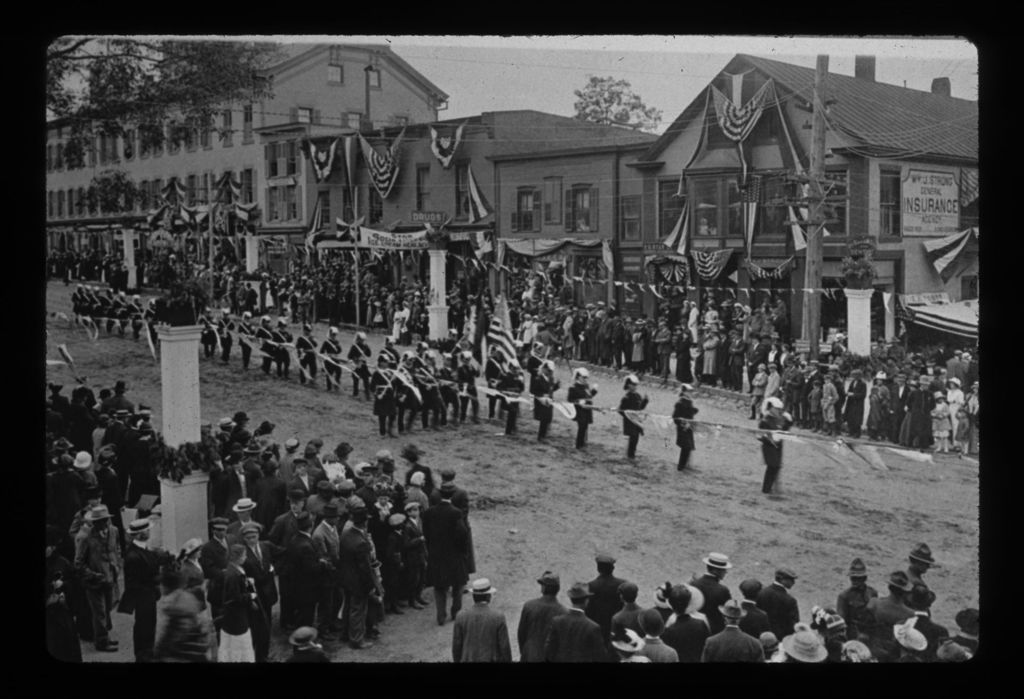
[955, 399]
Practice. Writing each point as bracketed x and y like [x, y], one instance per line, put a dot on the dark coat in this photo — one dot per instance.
[384, 400]
[235, 602]
[573, 638]
[781, 609]
[732, 646]
[260, 572]
[141, 578]
[632, 401]
[684, 408]
[310, 655]
[355, 559]
[227, 489]
[578, 394]
[715, 595]
[534, 624]
[755, 622]
[542, 387]
[282, 530]
[305, 565]
[63, 498]
[213, 559]
[855, 403]
[271, 501]
[687, 637]
[852, 605]
[444, 527]
[605, 602]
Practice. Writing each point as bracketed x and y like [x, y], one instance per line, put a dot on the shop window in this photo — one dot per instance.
[836, 210]
[526, 216]
[631, 218]
[889, 203]
[717, 207]
[422, 190]
[773, 211]
[581, 209]
[462, 190]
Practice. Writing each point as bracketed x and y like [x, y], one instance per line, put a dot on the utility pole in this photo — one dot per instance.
[814, 252]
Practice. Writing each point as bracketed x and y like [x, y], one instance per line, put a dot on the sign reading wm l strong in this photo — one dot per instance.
[931, 203]
[393, 241]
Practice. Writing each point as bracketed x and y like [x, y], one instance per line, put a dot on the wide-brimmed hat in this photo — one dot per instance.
[303, 637]
[138, 526]
[856, 652]
[83, 460]
[909, 637]
[97, 513]
[967, 620]
[899, 579]
[857, 569]
[579, 590]
[696, 597]
[628, 641]
[804, 645]
[549, 578]
[732, 610]
[922, 554]
[244, 505]
[482, 586]
[717, 560]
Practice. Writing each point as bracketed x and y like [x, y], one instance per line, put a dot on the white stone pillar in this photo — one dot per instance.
[890, 314]
[252, 253]
[438, 310]
[183, 505]
[128, 238]
[858, 320]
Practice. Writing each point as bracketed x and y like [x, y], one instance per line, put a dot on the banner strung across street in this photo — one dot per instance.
[369, 238]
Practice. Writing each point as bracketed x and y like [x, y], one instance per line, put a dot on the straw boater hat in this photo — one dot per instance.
[191, 546]
[804, 646]
[717, 560]
[138, 526]
[482, 586]
[628, 642]
[244, 505]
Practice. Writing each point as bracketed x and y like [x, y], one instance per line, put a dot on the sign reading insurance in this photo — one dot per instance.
[931, 203]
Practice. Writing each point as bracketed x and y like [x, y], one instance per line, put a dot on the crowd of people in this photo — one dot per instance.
[338, 544]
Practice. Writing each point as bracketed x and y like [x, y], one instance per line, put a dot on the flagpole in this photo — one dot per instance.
[355, 247]
[209, 217]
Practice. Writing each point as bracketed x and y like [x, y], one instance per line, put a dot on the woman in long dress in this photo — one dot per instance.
[710, 345]
[683, 343]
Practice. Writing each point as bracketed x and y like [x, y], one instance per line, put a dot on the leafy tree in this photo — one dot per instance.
[113, 191]
[108, 86]
[613, 102]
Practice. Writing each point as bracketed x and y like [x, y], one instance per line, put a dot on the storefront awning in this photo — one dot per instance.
[959, 318]
[535, 247]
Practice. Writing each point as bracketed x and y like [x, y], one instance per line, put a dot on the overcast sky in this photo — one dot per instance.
[489, 73]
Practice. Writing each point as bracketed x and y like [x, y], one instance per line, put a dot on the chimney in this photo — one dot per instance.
[940, 86]
[864, 67]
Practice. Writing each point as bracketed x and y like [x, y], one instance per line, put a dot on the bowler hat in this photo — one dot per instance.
[252, 448]
[899, 579]
[579, 590]
[342, 450]
[548, 578]
[651, 622]
[120, 387]
[296, 494]
[92, 492]
[240, 416]
[330, 510]
[732, 609]
[920, 597]
[857, 569]
[967, 620]
[922, 554]
[303, 637]
[750, 588]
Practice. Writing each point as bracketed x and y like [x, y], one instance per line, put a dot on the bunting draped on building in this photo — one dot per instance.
[173, 192]
[783, 270]
[751, 196]
[383, 165]
[710, 264]
[479, 207]
[970, 187]
[737, 122]
[316, 224]
[679, 239]
[944, 253]
[349, 155]
[444, 143]
[321, 158]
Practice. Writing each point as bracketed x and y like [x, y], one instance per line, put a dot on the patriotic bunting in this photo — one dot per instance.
[383, 166]
[737, 122]
[499, 334]
[757, 272]
[943, 253]
[751, 196]
[479, 208]
[679, 238]
[444, 144]
[322, 159]
[710, 264]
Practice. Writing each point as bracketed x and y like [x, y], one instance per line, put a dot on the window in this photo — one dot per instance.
[49, 158]
[462, 190]
[717, 207]
[631, 218]
[705, 207]
[205, 138]
[335, 73]
[143, 197]
[247, 186]
[773, 211]
[836, 211]
[282, 203]
[158, 147]
[669, 208]
[374, 78]
[81, 202]
[103, 149]
[348, 213]
[291, 154]
[734, 221]
[60, 203]
[526, 216]
[889, 203]
[581, 209]
[291, 200]
[51, 201]
[304, 115]
[324, 198]
[376, 207]
[157, 187]
[422, 192]
[173, 138]
[552, 200]
[191, 137]
[129, 144]
[190, 190]
[271, 153]
[60, 156]
[71, 202]
[247, 124]
[225, 127]
[352, 120]
[203, 195]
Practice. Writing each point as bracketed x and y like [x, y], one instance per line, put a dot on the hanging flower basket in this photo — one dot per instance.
[859, 272]
[174, 463]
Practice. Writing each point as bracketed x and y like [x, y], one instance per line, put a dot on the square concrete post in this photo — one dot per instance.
[252, 253]
[438, 309]
[858, 320]
[128, 236]
[184, 508]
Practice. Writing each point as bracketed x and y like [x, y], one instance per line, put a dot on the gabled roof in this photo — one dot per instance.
[880, 118]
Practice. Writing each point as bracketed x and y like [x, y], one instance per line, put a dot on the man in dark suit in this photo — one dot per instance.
[271, 496]
[731, 645]
[444, 528]
[755, 621]
[460, 499]
[480, 634]
[899, 396]
[306, 567]
[758, 355]
[303, 479]
[573, 638]
[604, 596]
[142, 588]
[890, 610]
[284, 528]
[259, 566]
[715, 593]
[359, 578]
[231, 484]
[920, 600]
[627, 617]
[779, 605]
[852, 602]
[683, 633]
[535, 619]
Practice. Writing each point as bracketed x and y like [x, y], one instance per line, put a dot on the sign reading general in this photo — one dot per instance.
[931, 203]
[428, 217]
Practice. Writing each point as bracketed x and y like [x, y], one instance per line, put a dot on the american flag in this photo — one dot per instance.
[499, 334]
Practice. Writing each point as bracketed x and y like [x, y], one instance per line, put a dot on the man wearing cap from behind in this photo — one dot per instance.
[852, 603]
[778, 604]
[627, 617]
[535, 619]
[480, 634]
[573, 638]
[141, 587]
[731, 645]
[716, 594]
[604, 595]
[892, 609]
[654, 648]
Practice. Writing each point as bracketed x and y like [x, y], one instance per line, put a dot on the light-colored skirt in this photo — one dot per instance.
[236, 649]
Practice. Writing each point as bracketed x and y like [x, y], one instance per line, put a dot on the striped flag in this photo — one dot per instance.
[316, 224]
[499, 333]
[679, 238]
[383, 166]
[944, 252]
[479, 208]
[751, 195]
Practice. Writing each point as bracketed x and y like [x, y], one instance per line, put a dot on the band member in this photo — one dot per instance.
[447, 379]
[631, 401]
[537, 357]
[224, 327]
[136, 312]
[684, 410]
[493, 372]
[432, 410]
[246, 334]
[390, 351]
[282, 357]
[330, 351]
[581, 395]
[119, 311]
[101, 309]
[268, 346]
[511, 386]
[774, 419]
[149, 318]
[407, 400]
[466, 376]
[208, 337]
[382, 383]
[305, 345]
[543, 386]
[359, 354]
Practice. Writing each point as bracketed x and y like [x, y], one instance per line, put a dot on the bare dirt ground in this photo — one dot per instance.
[549, 507]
